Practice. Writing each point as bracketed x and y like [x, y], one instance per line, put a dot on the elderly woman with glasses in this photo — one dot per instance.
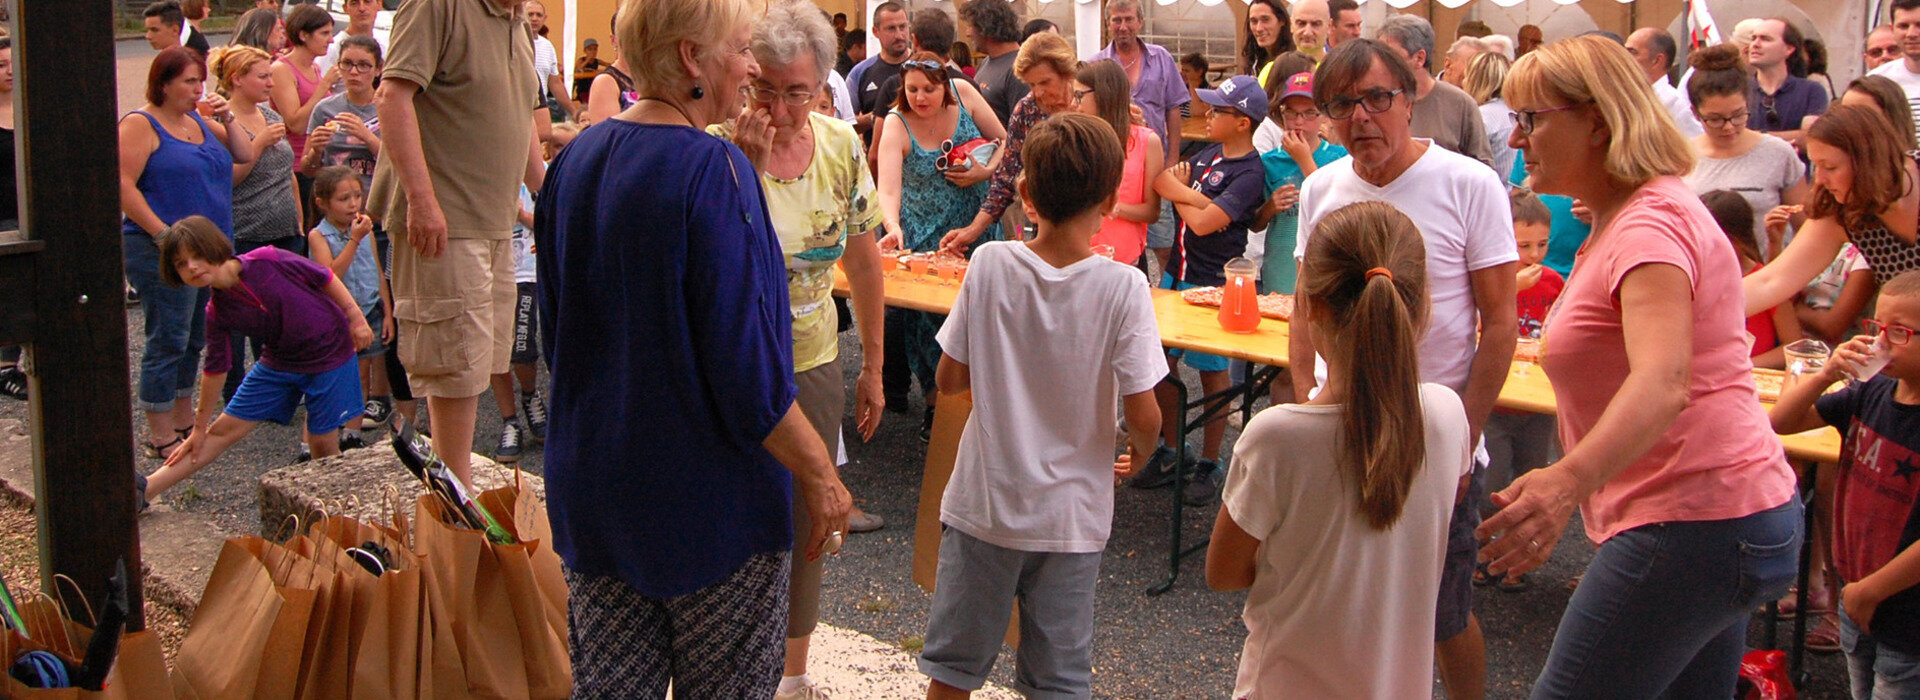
[1765, 170]
[1669, 458]
[820, 196]
[924, 194]
[675, 423]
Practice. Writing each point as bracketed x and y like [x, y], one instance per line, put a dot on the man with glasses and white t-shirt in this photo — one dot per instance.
[1906, 72]
[1367, 89]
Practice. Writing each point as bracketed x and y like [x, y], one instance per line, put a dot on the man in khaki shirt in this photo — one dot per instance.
[456, 102]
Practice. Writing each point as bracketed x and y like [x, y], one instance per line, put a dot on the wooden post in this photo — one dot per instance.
[63, 59]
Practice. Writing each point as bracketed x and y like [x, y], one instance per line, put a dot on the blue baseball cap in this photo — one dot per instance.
[1240, 92]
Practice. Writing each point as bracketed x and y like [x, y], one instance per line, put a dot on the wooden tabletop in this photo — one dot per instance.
[1189, 327]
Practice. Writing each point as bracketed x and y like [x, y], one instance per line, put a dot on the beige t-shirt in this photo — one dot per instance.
[1450, 117]
[474, 65]
[1338, 608]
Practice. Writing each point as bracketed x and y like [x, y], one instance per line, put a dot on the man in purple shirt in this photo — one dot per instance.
[1157, 89]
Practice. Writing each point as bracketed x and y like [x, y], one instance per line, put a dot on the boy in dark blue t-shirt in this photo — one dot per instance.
[1876, 521]
[1217, 194]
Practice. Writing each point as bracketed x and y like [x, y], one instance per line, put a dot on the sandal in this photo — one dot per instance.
[162, 451]
[1482, 577]
[1824, 638]
[1818, 603]
[13, 383]
[1516, 585]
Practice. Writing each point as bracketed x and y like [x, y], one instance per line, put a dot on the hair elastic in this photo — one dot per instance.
[1381, 272]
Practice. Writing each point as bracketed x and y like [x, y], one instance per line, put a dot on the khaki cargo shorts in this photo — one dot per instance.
[455, 314]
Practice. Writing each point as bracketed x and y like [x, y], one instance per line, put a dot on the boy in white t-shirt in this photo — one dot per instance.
[1030, 504]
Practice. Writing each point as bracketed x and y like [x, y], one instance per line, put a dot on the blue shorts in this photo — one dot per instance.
[1199, 361]
[1160, 233]
[375, 317]
[332, 396]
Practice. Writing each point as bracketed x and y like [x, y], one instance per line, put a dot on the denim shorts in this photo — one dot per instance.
[1874, 671]
[1664, 607]
[375, 317]
[1160, 233]
[1199, 361]
[332, 397]
[973, 598]
[1455, 607]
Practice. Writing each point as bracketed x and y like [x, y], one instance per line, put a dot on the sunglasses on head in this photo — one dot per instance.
[923, 65]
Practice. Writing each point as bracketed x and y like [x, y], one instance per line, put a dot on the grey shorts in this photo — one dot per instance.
[1463, 551]
[1160, 233]
[973, 596]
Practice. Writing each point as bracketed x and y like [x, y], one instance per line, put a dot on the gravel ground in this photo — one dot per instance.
[1185, 643]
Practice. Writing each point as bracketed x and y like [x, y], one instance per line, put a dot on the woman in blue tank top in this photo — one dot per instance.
[173, 165]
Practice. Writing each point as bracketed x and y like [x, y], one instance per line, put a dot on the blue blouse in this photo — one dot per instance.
[670, 348]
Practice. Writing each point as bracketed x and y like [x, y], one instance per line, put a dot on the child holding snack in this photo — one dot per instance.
[309, 327]
[1030, 504]
[341, 243]
[1877, 502]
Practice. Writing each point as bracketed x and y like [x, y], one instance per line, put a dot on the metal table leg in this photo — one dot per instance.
[1213, 405]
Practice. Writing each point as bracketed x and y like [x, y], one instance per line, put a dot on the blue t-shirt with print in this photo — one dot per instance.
[1238, 187]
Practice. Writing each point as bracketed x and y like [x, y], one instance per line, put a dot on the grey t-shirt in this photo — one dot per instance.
[1760, 175]
[999, 85]
[265, 207]
[344, 149]
[1450, 117]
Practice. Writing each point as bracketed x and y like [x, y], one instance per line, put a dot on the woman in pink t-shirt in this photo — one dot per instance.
[1668, 455]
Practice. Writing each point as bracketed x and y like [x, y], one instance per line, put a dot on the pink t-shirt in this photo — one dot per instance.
[1129, 238]
[1720, 458]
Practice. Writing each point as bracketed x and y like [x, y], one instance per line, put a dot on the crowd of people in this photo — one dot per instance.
[433, 213]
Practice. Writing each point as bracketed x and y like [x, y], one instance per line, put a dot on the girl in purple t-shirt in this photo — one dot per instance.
[309, 327]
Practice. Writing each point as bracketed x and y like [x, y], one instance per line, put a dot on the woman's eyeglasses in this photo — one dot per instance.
[1376, 100]
[1715, 121]
[355, 67]
[1523, 119]
[1079, 95]
[763, 95]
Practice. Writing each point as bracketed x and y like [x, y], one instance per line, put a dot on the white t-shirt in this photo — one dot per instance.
[546, 63]
[1338, 608]
[1678, 106]
[1051, 351]
[1461, 208]
[1908, 81]
[842, 100]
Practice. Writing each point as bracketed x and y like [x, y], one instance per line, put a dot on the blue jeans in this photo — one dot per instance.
[176, 326]
[1663, 609]
[1874, 672]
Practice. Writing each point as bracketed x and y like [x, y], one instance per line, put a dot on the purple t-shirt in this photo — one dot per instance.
[281, 300]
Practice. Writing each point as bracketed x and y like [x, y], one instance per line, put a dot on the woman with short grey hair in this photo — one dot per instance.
[820, 196]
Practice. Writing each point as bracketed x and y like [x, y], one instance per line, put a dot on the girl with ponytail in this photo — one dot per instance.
[1336, 510]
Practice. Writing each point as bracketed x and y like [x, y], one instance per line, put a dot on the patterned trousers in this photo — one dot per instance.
[727, 640]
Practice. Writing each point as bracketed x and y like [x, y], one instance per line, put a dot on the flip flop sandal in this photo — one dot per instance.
[162, 451]
[1516, 585]
[1824, 638]
[1482, 577]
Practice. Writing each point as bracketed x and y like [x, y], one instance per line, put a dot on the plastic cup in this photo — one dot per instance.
[1877, 360]
[918, 263]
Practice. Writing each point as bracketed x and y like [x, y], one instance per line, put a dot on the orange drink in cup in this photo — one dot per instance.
[918, 263]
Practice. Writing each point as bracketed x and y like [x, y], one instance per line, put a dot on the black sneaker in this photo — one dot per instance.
[1158, 471]
[378, 410]
[305, 455]
[535, 409]
[351, 440]
[1203, 483]
[512, 436]
[926, 426]
[13, 383]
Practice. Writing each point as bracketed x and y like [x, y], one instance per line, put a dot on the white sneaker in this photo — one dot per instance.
[810, 691]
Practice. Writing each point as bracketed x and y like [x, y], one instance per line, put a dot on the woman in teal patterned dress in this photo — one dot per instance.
[919, 202]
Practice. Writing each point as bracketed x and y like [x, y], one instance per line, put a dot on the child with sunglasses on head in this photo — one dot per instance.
[308, 324]
[1877, 501]
[1217, 194]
